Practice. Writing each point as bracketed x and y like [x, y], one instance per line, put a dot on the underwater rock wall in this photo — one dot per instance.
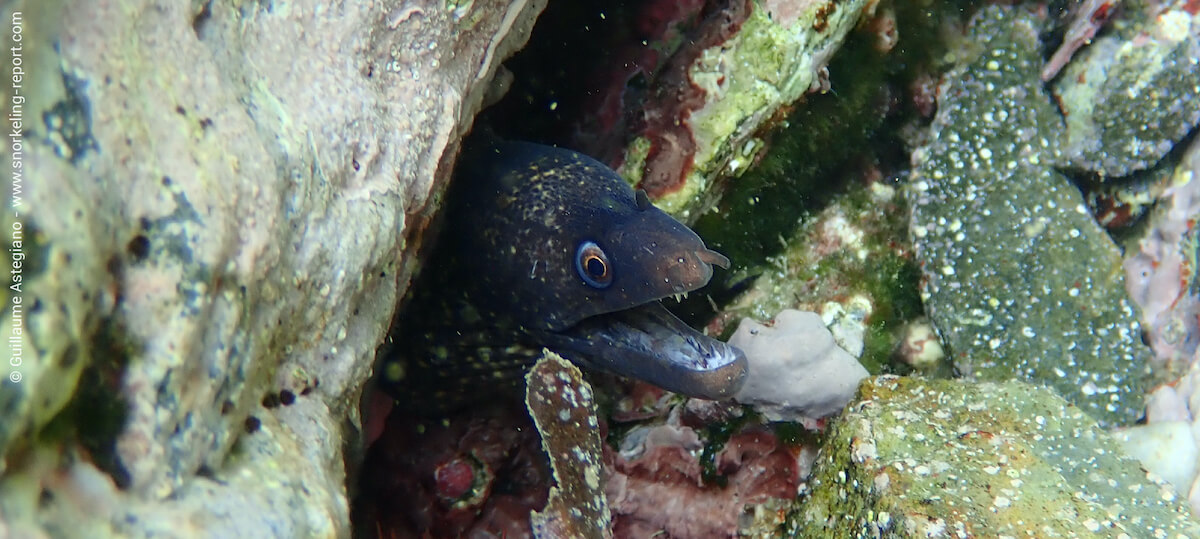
[223, 202]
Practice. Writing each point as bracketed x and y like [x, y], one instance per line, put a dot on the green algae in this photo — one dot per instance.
[915, 457]
[799, 171]
[97, 412]
[771, 219]
[852, 252]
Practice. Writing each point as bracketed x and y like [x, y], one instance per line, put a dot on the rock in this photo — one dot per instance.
[667, 488]
[850, 262]
[1165, 404]
[1165, 448]
[920, 347]
[848, 324]
[1018, 278]
[1131, 95]
[563, 409]
[796, 370]
[735, 71]
[222, 206]
[927, 458]
[1161, 269]
[476, 472]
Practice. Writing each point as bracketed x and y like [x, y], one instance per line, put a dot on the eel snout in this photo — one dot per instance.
[692, 269]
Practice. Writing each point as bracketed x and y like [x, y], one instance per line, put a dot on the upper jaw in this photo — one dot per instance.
[692, 269]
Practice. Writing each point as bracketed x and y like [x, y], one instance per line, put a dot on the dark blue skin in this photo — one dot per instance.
[547, 248]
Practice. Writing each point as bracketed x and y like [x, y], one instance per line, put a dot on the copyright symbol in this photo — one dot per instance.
[14, 377]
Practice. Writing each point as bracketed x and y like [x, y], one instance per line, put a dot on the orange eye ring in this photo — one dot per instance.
[591, 263]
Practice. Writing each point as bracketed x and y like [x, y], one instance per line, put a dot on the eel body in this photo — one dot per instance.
[543, 247]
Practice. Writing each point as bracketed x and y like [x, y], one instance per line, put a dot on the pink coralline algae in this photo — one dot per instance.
[662, 490]
[1161, 274]
[659, 29]
[662, 117]
[454, 478]
[479, 472]
[1088, 17]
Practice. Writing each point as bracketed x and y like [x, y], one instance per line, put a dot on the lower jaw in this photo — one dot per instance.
[651, 344]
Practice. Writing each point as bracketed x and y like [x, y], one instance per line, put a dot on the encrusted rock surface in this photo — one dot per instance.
[563, 409]
[222, 203]
[715, 94]
[224, 200]
[927, 458]
[1017, 276]
[704, 470]
[850, 263]
[1131, 95]
[1161, 269]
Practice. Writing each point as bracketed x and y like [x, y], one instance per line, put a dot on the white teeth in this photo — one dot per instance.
[685, 295]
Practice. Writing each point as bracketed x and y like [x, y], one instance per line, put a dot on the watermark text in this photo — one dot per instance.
[16, 235]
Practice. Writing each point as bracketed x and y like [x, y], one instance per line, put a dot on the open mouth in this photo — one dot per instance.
[649, 343]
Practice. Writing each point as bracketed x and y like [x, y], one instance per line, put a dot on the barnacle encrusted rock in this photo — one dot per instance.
[221, 202]
[563, 409]
[930, 458]
[1017, 277]
[1131, 95]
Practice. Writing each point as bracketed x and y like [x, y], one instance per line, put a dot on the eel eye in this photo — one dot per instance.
[592, 265]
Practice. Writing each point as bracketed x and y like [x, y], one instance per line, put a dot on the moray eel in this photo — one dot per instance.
[544, 247]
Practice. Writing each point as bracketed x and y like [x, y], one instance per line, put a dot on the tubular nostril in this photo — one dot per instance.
[714, 258]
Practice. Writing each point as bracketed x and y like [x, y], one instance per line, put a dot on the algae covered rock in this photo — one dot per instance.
[925, 458]
[1131, 95]
[849, 262]
[742, 66]
[1018, 278]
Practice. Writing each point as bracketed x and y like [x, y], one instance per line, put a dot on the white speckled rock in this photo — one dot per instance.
[1017, 277]
[797, 371]
[1167, 449]
[1132, 93]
